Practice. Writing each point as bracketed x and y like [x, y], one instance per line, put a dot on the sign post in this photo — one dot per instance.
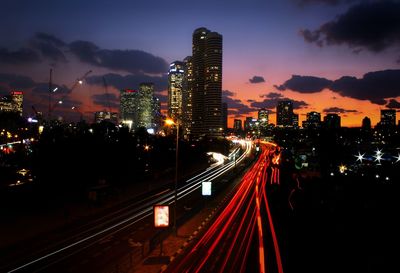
[161, 219]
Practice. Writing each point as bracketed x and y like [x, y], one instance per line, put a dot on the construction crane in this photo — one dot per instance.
[77, 82]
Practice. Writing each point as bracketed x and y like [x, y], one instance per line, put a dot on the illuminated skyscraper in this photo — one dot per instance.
[187, 97]
[237, 125]
[388, 118]
[156, 114]
[263, 118]
[284, 113]
[207, 83]
[17, 99]
[175, 90]
[313, 120]
[128, 106]
[145, 105]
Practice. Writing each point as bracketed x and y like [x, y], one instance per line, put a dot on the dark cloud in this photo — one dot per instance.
[43, 88]
[235, 106]
[16, 81]
[271, 103]
[106, 100]
[251, 101]
[371, 25]
[43, 45]
[271, 95]
[133, 61]
[20, 56]
[305, 84]
[257, 79]
[130, 81]
[393, 104]
[374, 86]
[49, 46]
[338, 110]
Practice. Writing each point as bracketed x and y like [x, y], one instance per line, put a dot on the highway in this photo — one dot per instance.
[95, 244]
[243, 228]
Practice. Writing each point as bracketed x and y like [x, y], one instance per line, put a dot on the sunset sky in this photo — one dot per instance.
[338, 56]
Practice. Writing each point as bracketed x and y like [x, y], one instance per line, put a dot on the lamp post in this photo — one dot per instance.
[170, 122]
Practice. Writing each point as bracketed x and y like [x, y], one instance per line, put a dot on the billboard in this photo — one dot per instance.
[206, 188]
[161, 216]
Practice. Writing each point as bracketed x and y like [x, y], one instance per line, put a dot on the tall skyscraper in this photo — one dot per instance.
[388, 118]
[207, 83]
[175, 90]
[332, 121]
[263, 118]
[12, 102]
[145, 105]
[156, 113]
[128, 106]
[237, 125]
[187, 97]
[284, 113]
[295, 120]
[313, 120]
[366, 123]
[17, 99]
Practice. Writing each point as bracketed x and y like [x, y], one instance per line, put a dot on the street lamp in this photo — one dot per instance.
[170, 122]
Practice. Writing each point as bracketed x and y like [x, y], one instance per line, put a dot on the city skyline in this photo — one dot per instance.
[266, 57]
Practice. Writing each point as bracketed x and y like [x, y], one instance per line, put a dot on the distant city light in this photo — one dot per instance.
[206, 188]
[73, 107]
[342, 168]
[398, 158]
[55, 89]
[60, 102]
[80, 82]
[332, 174]
[360, 157]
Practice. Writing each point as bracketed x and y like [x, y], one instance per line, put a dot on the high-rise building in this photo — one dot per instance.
[237, 125]
[366, 123]
[12, 102]
[187, 94]
[295, 120]
[263, 118]
[105, 115]
[157, 117]
[332, 121]
[224, 116]
[313, 120]
[145, 105]
[175, 90]
[388, 118]
[128, 106]
[207, 83]
[247, 123]
[284, 113]
[17, 99]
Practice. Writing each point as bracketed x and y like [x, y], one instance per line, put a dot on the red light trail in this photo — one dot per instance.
[226, 245]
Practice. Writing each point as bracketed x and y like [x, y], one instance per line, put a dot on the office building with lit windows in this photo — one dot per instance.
[176, 75]
[145, 105]
[207, 83]
[332, 121]
[12, 102]
[284, 113]
[388, 118]
[128, 106]
[187, 96]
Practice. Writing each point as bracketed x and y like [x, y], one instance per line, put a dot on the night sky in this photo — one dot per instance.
[339, 56]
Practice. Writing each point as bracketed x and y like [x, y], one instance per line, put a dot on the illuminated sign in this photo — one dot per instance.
[161, 216]
[206, 188]
[17, 93]
[130, 91]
